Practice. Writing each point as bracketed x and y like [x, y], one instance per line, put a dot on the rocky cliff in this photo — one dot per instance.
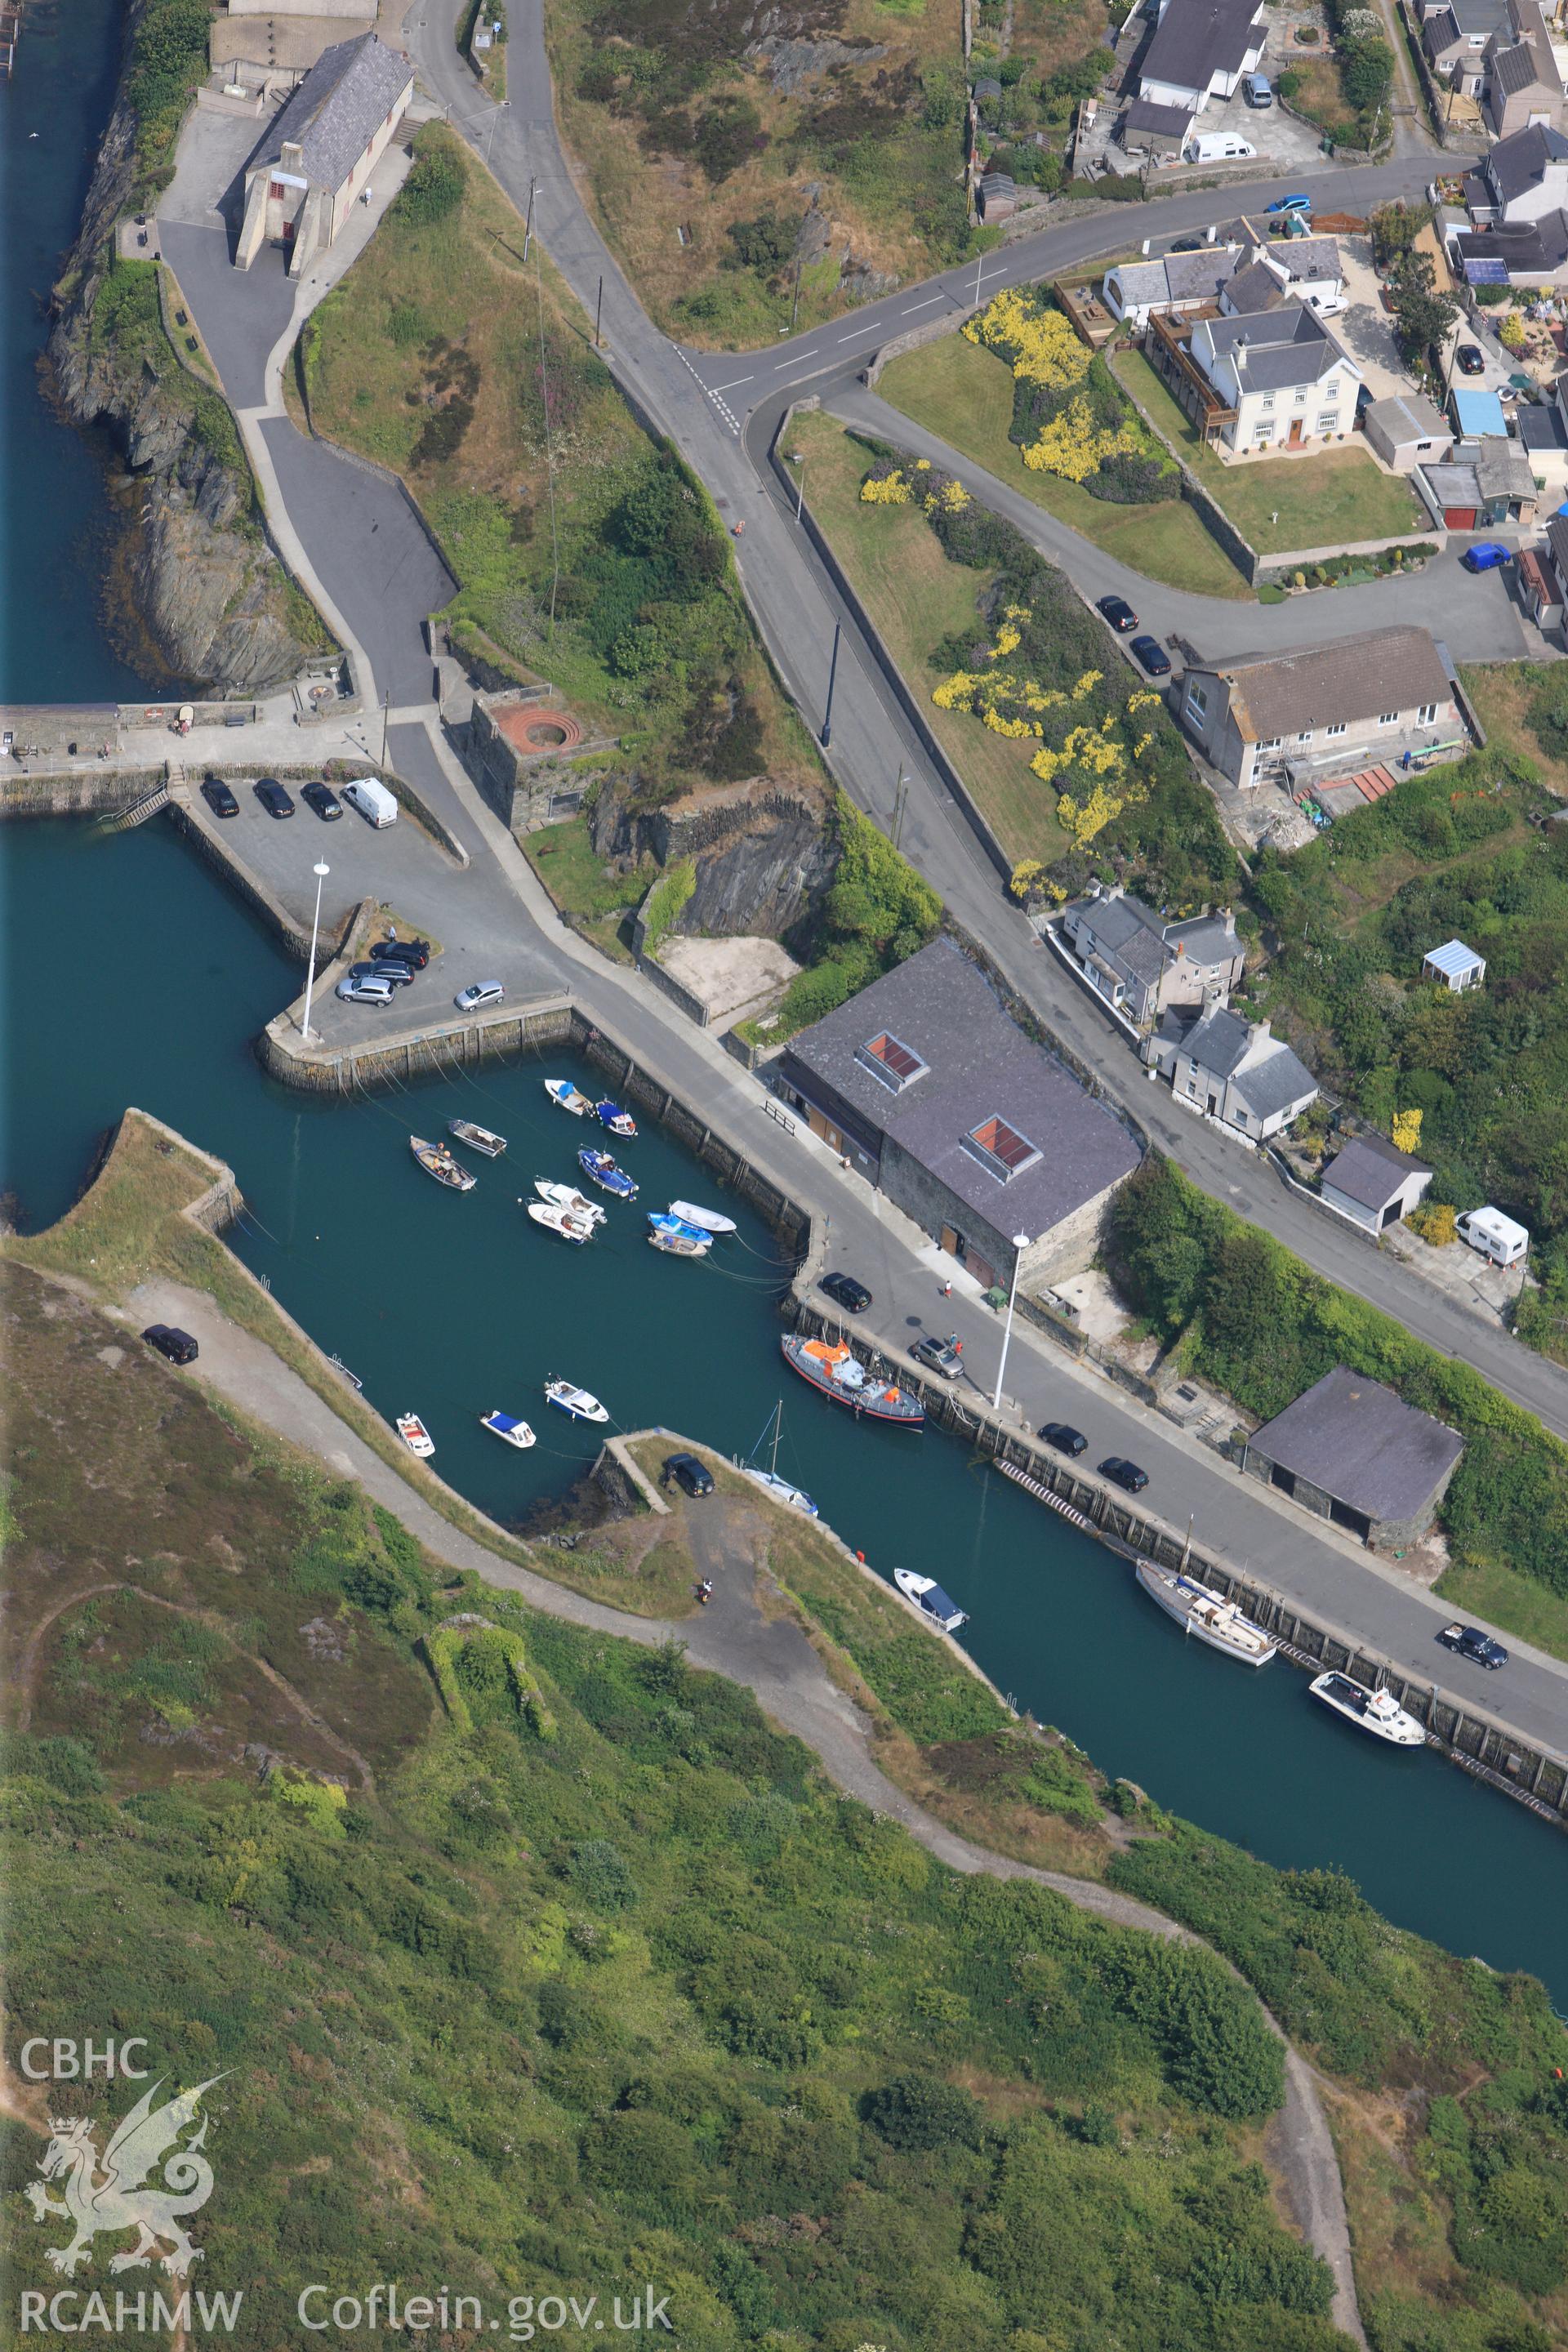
[212, 597]
[764, 853]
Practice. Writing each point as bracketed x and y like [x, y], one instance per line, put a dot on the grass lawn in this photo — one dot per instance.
[1318, 94]
[564, 858]
[1501, 1596]
[916, 597]
[1501, 692]
[965, 395]
[1329, 501]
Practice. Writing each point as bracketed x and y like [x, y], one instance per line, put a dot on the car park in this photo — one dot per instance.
[1119, 613]
[1154, 657]
[273, 797]
[938, 1356]
[1064, 1437]
[693, 1476]
[366, 992]
[1487, 555]
[219, 797]
[1124, 1474]
[396, 975]
[323, 800]
[1471, 1642]
[1471, 360]
[171, 1342]
[843, 1288]
[478, 996]
[415, 953]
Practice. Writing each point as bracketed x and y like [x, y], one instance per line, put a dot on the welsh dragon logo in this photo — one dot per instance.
[117, 2196]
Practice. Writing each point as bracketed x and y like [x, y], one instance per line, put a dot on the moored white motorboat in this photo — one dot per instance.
[768, 1479]
[561, 1221]
[505, 1426]
[618, 1121]
[573, 1401]
[708, 1221]
[437, 1161]
[927, 1595]
[477, 1138]
[1205, 1615]
[566, 1196]
[566, 1096]
[415, 1436]
[1377, 1711]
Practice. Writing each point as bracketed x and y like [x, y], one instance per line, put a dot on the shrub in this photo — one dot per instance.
[727, 135]
[919, 2111]
[435, 184]
[764, 243]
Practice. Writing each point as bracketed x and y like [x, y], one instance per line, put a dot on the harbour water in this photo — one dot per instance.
[453, 1305]
[56, 520]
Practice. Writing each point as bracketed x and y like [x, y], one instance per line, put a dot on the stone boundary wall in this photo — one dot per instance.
[88, 791]
[212, 846]
[436, 1052]
[1477, 1741]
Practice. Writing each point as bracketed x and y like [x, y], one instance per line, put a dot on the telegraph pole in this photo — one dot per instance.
[528, 225]
[827, 736]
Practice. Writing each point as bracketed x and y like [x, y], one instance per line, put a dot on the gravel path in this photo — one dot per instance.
[773, 1659]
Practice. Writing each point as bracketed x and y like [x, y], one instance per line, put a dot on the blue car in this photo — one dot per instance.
[1486, 555]
[1302, 203]
[1153, 656]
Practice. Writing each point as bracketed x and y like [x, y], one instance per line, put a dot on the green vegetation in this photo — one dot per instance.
[1469, 851]
[966, 396]
[1070, 416]
[1320, 501]
[669, 894]
[564, 858]
[167, 65]
[1245, 1314]
[583, 553]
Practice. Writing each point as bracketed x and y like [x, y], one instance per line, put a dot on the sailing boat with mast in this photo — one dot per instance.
[779, 1489]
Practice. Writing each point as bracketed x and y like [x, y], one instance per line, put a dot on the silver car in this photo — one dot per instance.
[366, 992]
[938, 1356]
[478, 996]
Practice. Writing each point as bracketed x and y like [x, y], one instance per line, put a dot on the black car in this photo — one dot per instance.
[1188, 245]
[1471, 360]
[1471, 1642]
[273, 797]
[323, 800]
[850, 1294]
[1064, 1437]
[415, 953]
[1119, 613]
[689, 1473]
[397, 973]
[171, 1342]
[1153, 656]
[1124, 1474]
[219, 798]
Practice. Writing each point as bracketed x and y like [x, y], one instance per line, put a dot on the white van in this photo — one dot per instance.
[374, 802]
[1217, 147]
[1497, 1237]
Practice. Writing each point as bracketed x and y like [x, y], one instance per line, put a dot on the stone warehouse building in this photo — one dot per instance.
[319, 154]
[284, 37]
[926, 1086]
[1353, 1452]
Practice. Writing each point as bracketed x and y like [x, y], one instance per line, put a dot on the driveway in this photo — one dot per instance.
[1365, 328]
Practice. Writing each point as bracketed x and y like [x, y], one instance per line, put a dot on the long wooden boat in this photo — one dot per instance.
[1206, 1616]
[477, 1138]
[838, 1373]
[437, 1161]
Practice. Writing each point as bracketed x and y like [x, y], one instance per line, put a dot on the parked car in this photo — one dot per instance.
[1471, 360]
[366, 992]
[415, 953]
[1154, 657]
[1257, 89]
[852, 1296]
[219, 798]
[171, 1342]
[1064, 1437]
[273, 797]
[478, 996]
[1124, 1474]
[938, 1356]
[323, 800]
[1302, 202]
[396, 975]
[1119, 613]
[1471, 1642]
[685, 1470]
[1188, 245]
[1487, 555]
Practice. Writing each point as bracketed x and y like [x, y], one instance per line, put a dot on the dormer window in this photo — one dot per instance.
[890, 1062]
[1001, 1151]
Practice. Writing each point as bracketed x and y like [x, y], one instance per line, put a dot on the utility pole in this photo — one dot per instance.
[385, 700]
[900, 795]
[1020, 1244]
[598, 309]
[979, 264]
[794, 307]
[800, 491]
[528, 225]
[827, 736]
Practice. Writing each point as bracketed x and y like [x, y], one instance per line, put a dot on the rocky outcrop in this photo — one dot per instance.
[215, 603]
[763, 856]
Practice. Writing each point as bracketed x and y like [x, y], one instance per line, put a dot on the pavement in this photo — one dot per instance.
[773, 1659]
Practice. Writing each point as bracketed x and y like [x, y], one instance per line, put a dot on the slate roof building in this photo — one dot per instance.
[1279, 377]
[1291, 718]
[1375, 1183]
[1308, 267]
[1200, 50]
[1142, 964]
[276, 39]
[927, 1086]
[1479, 484]
[1232, 1070]
[1353, 1452]
[319, 152]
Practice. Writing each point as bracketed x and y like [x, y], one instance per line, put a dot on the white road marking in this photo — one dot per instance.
[734, 380]
[922, 306]
[859, 336]
[805, 355]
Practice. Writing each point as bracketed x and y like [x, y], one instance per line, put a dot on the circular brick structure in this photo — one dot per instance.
[528, 730]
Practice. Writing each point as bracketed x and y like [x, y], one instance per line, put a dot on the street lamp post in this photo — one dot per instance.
[321, 872]
[1020, 1244]
[825, 738]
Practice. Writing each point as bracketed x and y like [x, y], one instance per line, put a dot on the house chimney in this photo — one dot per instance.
[292, 157]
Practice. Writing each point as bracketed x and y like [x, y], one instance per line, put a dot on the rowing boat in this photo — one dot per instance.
[437, 1161]
[565, 1097]
[477, 1139]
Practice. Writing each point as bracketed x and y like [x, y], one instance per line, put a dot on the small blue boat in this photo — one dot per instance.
[601, 1169]
[618, 1121]
[664, 1221]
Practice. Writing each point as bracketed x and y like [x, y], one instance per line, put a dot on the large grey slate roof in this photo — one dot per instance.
[337, 109]
[1196, 39]
[1219, 1040]
[1519, 162]
[1198, 276]
[1272, 1085]
[1479, 18]
[1207, 938]
[1280, 349]
[1143, 281]
[1126, 929]
[1359, 1443]
[1162, 121]
[1515, 68]
[1371, 1170]
[1528, 249]
[981, 1065]
[1253, 287]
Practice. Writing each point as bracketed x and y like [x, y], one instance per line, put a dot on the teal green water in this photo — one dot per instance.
[452, 1305]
